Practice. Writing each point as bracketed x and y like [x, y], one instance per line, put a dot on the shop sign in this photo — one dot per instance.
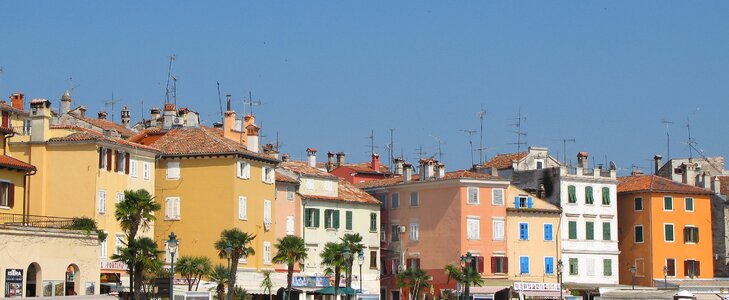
[13, 283]
[113, 265]
[536, 286]
[310, 281]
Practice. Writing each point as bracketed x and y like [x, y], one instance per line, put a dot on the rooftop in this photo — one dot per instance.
[15, 164]
[81, 134]
[504, 161]
[653, 183]
[347, 192]
[415, 179]
[107, 125]
[303, 168]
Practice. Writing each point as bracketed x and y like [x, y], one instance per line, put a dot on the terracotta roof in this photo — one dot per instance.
[13, 163]
[192, 141]
[81, 134]
[415, 178]
[504, 161]
[349, 193]
[653, 183]
[301, 167]
[7, 107]
[283, 178]
[723, 184]
[108, 125]
[366, 168]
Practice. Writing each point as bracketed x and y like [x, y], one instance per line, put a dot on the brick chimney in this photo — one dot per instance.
[252, 137]
[102, 115]
[340, 158]
[407, 172]
[125, 116]
[170, 112]
[285, 157]
[376, 162]
[17, 100]
[582, 159]
[65, 102]
[657, 163]
[311, 157]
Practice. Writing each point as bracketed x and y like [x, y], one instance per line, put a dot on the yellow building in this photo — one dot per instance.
[207, 183]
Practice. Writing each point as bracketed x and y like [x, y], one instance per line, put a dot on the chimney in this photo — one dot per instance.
[494, 171]
[376, 162]
[582, 160]
[657, 163]
[688, 176]
[153, 116]
[285, 157]
[82, 111]
[40, 116]
[407, 172]
[398, 165]
[426, 169]
[229, 124]
[439, 171]
[252, 137]
[330, 161]
[65, 102]
[636, 172]
[125, 116]
[311, 157]
[102, 115]
[271, 150]
[17, 100]
[340, 158]
[218, 125]
[169, 114]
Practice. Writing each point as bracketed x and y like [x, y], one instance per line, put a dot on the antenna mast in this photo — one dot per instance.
[470, 142]
[481, 115]
[420, 152]
[519, 133]
[564, 147]
[169, 73]
[112, 102]
[220, 103]
[392, 146]
[668, 139]
[440, 152]
[250, 102]
[690, 140]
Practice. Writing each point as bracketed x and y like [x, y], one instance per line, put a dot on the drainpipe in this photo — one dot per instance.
[303, 227]
[26, 196]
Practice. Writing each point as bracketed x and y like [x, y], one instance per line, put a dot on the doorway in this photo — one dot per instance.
[32, 278]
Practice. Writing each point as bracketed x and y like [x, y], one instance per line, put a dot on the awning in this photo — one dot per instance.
[486, 289]
[541, 294]
[330, 291]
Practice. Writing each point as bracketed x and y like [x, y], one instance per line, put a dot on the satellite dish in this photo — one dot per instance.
[613, 166]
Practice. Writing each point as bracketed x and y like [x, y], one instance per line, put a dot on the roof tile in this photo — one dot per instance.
[653, 183]
[448, 176]
[504, 161]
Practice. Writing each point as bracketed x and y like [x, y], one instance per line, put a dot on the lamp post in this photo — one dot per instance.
[228, 250]
[360, 260]
[466, 260]
[347, 255]
[560, 266]
[633, 270]
[172, 244]
[665, 277]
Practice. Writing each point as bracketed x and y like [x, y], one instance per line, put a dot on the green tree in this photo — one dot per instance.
[290, 250]
[354, 242]
[141, 253]
[266, 283]
[415, 280]
[333, 259]
[240, 241]
[219, 276]
[193, 268]
[240, 293]
[459, 275]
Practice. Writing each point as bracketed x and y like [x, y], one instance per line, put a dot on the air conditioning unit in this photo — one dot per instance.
[178, 121]
[402, 229]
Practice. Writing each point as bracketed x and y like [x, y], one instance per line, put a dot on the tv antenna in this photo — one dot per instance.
[690, 141]
[519, 133]
[470, 141]
[169, 74]
[668, 139]
[391, 146]
[372, 142]
[420, 152]
[220, 102]
[564, 147]
[440, 151]
[250, 102]
[71, 86]
[111, 103]
[481, 114]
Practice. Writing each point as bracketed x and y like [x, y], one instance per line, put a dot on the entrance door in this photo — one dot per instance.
[395, 295]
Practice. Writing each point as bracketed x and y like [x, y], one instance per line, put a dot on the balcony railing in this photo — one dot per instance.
[36, 221]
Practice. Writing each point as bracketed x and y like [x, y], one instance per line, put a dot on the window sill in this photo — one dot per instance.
[172, 219]
[167, 178]
[5, 207]
[469, 203]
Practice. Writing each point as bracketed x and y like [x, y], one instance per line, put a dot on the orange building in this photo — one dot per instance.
[663, 224]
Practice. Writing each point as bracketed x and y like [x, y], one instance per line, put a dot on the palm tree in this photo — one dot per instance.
[266, 283]
[414, 279]
[354, 242]
[240, 241]
[219, 275]
[332, 258]
[193, 268]
[459, 275]
[146, 256]
[290, 250]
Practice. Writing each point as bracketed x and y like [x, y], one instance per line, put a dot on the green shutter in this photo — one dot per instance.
[572, 194]
[349, 220]
[373, 222]
[336, 219]
[606, 196]
[588, 195]
[590, 228]
[668, 228]
[573, 230]
[607, 267]
[606, 231]
[307, 217]
[316, 217]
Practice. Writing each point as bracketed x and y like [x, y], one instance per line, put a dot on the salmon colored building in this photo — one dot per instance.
[663, 223]
[432, 219]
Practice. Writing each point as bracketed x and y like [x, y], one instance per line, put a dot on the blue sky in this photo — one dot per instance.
[605, 73]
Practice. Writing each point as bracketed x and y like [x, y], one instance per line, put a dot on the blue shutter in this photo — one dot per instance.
[549, 265]
[547, 232]
[524, 264]
[530, 202]
[523, 231]
[516, 201]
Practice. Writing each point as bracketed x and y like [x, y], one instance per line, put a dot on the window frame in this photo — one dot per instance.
[609, 231]
[665, 233]
[569, 232]
[414, 232]
[571, 194]
[394, 201]
[146, 172]
[290, 191]
[477, 199]
[133, 168]
[694, 237]
[546, 269]
[417, 199]
[606, 271]
[473, 236]
[101, 202]
[502, 232]
[606, 196]
[635, 234]
[576, 264]
[686, 202]
[170, 167]
[176, 214]
[5, 194]
[589, 195]
[528, 264]
[664, 203]
[266, 252]
[551, 232]
[493, 196]
[590, 230]
[524, 236]
[637, 200]
[670, 272]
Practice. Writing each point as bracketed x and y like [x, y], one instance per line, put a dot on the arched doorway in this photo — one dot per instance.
[33, 280]
[73, 279]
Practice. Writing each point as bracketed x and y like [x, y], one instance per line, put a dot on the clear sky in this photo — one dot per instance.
[605, 73]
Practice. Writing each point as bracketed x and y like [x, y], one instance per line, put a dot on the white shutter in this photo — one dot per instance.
[102, 252]
[173, 170]
[498, 230]
[247, 171]
[133, 169]
[177, 208]
[498, 196]
[242, 208]
[263, 173]
[145, 170]
[290, 225]
[168, 208]
[266, 252]
[267, 211]
[102, 202]
[119, 197]
[271, 175]
[239, 169]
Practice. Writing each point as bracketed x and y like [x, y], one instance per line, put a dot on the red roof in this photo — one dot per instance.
[283, 178]
[301, 167]
[448, 176]
[13, 163]
[108, 125]
[504, 161]
[85, 134]
[366, 168]
[347, 192]
[653, 183]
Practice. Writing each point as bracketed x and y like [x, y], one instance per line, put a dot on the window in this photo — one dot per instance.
[498, 230]
[27, 127]
[539, 163]
[589, 230]
[606, 196]
[606, 236]
[102, 253]
[373, 259]
[472, 228]
[7, 199]
[145, 170]
[242, 208]
[414, 263]
[472, 195]
[638, 233]
[267, 211]
[548, 232]
[383, 200]
[105, 159]
[497, 196]
[670, 267]
[638, 204]
[122, 159]
[243, 169]
[328, 186]
[414, 201]
[331, 218]
[119, 197]
[395, 232]
[289, 225]
[523, 202]
[172, 208]
[691, 234]
[373, 222]
[524, 264]
[691, 268]
[395, 200]
[309, 184]
[290, 193]
[414, 232]
[119, 244]
[524, 231]
[311, 217]
[607, 267]
[102, 202]
[668, 203]
[499, 264]
[268, 175]
[590, 264]
[588, 195]
[572, 194]
[383, 232]
[572, 230]
[173, 170]
[348, 220]
[574, 268]
[134, 168]
[668, 232]
[549, 265]
[266, 252]
[689, 204]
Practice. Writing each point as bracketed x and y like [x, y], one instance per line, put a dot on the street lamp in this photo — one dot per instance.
[560, 266]
[228, 250]
[633, 270]
[360, 260]
[347, 255]
[467, 259]
[665, 277]
[172, 244]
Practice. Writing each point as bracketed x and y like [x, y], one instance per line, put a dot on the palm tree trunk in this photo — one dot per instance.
[138, 280]
[289, 277]
[233, 273]
[336, 282]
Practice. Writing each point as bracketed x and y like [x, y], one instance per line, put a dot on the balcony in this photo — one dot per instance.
[36, 221]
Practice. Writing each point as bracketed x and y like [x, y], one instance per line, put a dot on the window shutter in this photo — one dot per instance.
[505, 261]
[316, 218]
[686, 234]
[409, 263]
[168, 208]
[671, 264]
[108, 159]
[116, 160]
[493, 264]
[336, 219]
[11, 195]
[349, 220]
[606, 195]
[573, 229]
[126, 163]
[572, 194]
[606, 231]
[307, 217]
[530, 202]
[177, 208]
[685, 268]
[5, 119]
[547, 232]
[263, 174]
[516, 201]
[242, 207]
[480, 264]
[101, 157]
[696, 235]
[697, 267]
[590, 228]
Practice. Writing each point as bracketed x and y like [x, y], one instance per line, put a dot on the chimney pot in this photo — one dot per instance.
[376, 162]
[285, 157]
[102, 115]
[17, 100]
[311, 157]
[582, 159]
[340, 158]
[398, 165]
[218, 125]
[407, 172]
[657, 163]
